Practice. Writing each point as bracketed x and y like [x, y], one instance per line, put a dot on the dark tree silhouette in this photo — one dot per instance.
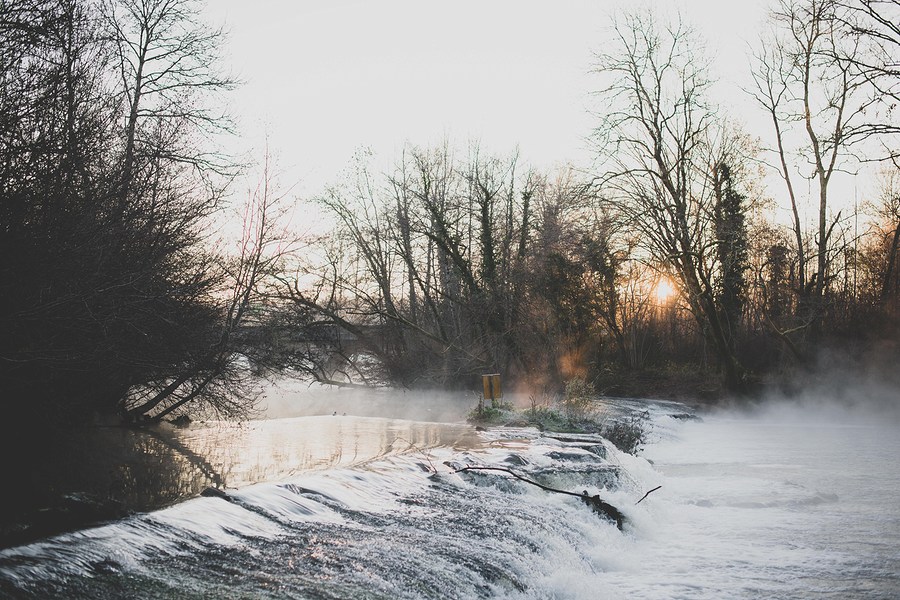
[107, 286]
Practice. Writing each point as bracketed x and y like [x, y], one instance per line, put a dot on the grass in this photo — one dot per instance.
[576, 411]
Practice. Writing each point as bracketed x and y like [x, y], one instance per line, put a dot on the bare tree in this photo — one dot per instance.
[883, 245]
[108, 287]
[426, 269]
[661, 141]
[808, 81]
[221, 375]
[167, 60]
[876, 26]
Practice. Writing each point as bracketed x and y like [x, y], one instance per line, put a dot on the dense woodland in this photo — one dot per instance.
[116, 297]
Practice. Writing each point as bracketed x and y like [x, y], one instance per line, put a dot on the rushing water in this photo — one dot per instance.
[778, 503]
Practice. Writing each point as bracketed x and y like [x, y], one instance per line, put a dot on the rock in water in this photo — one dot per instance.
[211, 492]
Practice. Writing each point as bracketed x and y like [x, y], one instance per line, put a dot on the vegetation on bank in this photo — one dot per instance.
[577, 410]
[116, 296]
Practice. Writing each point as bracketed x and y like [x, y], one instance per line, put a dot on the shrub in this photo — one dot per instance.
[578, 399]
[628, 434]
[482, 414]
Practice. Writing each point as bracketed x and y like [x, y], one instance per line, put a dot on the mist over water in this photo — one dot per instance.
[784, 500]
[788, 500]
[298, 398]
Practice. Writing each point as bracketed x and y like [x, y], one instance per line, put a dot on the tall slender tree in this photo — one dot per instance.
[729, 215]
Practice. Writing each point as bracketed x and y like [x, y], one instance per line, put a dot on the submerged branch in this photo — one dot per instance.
[604, 508]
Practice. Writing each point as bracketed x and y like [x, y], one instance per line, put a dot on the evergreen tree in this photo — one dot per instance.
[732, 248]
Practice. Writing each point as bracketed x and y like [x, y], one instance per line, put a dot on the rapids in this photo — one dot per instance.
[782, 502]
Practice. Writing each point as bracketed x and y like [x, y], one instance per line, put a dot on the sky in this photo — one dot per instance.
[322, 80]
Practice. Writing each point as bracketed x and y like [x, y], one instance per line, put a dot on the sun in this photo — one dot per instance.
[664, 290]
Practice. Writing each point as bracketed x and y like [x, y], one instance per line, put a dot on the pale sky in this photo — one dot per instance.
[324, 79]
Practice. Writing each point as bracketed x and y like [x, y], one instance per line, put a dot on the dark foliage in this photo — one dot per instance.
[104, 283]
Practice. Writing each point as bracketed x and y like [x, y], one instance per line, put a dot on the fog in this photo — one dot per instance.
[790, 498]
[297, 398]
[838, 387]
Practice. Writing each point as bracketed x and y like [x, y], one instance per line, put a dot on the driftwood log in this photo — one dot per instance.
[599, 506]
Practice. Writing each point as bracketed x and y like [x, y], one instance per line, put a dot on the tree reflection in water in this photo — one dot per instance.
[101, 473]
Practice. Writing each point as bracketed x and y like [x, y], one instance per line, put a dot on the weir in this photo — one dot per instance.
[758, 505]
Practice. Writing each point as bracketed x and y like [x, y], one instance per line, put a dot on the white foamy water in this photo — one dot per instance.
[785, 502]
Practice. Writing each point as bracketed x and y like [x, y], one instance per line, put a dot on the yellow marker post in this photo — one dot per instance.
[492, 388]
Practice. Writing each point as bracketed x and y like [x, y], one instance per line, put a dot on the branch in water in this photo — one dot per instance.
[647, 494]
[604, 508]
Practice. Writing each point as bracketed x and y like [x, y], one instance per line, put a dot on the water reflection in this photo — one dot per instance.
[247, 453]
[102, 473]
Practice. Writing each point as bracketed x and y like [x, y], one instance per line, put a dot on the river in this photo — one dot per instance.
[784, 501]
